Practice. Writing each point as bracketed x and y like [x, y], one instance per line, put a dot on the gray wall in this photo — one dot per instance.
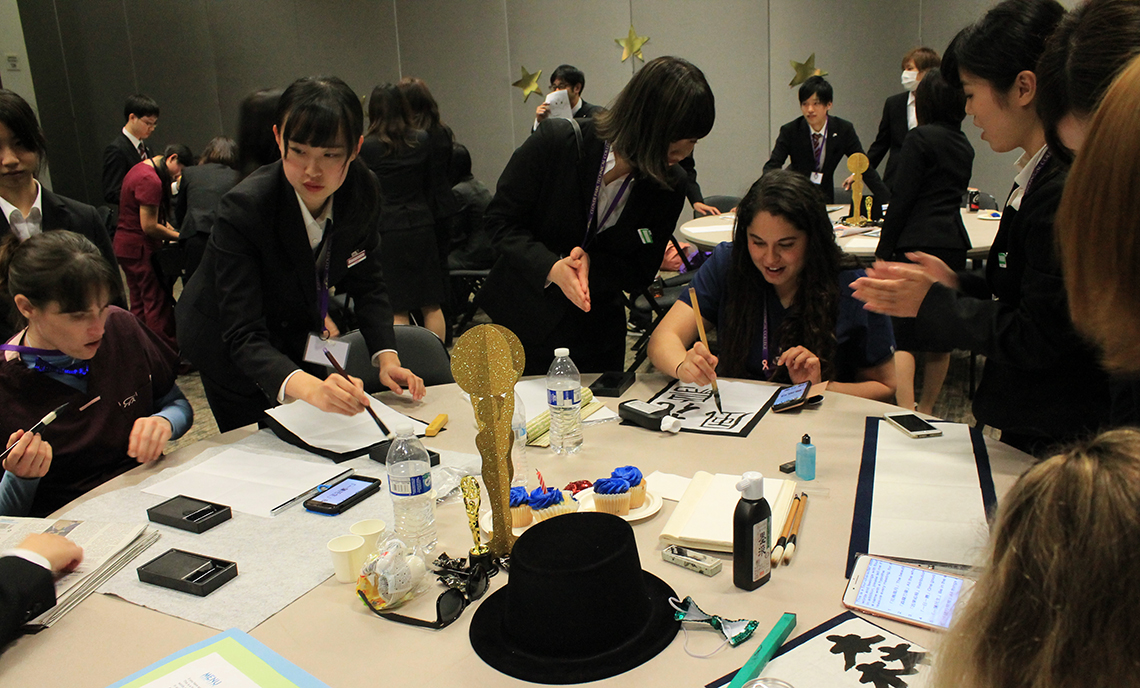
[198, 58]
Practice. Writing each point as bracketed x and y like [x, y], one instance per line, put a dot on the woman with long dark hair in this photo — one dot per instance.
[585, 209]
[780, 299]
[283, 237]
[400, 156]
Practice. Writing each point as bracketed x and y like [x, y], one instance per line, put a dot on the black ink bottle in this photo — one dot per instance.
[651, 416]
[751, 534]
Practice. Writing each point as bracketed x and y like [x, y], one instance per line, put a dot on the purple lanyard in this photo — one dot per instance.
[323, 281]
[20, 348]
[81, 368]
[592, 228]
[769, 371]
[1037, 170]
[818, 150]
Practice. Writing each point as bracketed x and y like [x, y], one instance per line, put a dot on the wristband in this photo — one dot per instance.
[677, 370]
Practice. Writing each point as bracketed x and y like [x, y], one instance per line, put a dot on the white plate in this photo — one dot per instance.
[586, 503]
[991, 215]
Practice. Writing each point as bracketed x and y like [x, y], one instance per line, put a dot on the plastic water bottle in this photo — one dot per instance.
[518, 449]
[564, 396]
[409, 483]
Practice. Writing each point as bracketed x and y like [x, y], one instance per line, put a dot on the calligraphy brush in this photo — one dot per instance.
[340, 371]
[44, 422]
[704, 340]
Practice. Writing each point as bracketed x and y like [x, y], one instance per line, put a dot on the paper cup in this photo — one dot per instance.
[348, 557]
[370, 529]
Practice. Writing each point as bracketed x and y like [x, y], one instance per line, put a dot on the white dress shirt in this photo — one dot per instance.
[25, 227]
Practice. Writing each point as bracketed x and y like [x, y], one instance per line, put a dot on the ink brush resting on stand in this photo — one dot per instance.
[704, 340]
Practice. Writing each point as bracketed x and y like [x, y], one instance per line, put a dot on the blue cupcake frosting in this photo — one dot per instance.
[542, 500]
[611, 486]
[519, 496]
[628, 474]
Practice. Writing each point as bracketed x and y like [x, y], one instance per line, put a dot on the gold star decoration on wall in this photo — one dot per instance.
[528, 83]
[631, 45]
[805, 70]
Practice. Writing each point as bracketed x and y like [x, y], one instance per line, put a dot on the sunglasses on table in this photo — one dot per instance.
[449, 606]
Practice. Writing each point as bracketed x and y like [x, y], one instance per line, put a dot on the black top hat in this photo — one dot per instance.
[578, 607]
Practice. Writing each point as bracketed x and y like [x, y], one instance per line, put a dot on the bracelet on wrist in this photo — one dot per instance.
[677, 370]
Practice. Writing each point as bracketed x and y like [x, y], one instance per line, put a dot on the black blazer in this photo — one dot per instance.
[1041, 378]
[934, 168]
[539, 214]
[893, 129]
[405, 182]
[692, 187]
[249, 308]
[795, 141]
[26, 591]
[199, 193]
[119, 157]
[587, 109]
[60, 212]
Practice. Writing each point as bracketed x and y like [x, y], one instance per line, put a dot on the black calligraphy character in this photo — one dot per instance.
[690, 393]
[851, 645]
[878, 674]
[902, 653]
[686, 408]
[722, 421]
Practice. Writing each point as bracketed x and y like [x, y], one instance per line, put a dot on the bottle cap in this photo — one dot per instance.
[671, 424]
[404, 428]
[562, 352]
[806, 439]
[751, 486]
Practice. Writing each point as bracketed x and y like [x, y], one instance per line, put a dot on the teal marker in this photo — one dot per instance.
[763, 654]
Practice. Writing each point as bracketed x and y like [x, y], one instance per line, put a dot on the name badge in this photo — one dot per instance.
[646, 235]
[1001, 259]
[816, 177]
[315, 350]
[356, 257]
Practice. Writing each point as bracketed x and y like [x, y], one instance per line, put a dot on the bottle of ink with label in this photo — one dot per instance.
[805, 459]
[651, 416]
[751, 534]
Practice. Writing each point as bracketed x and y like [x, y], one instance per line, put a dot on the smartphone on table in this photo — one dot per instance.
[912, 425]
[344, 495]
[904, 592]
[791, 397]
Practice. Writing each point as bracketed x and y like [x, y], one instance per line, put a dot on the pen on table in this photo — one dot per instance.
[704, 339]
[44, 422]
[340, 371]
[778, 550]
[763, 654]
[791, 548]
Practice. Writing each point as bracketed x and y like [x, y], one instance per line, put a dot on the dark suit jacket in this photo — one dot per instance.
[406, 182]
[587, 109]
[26, 591]
[118, 158]
[60, 212]
[934, 168]
[795, 141]
[539, 214]
[893, 129]
[199, 193]
[247, 312]
[1036, 363]
[692, 188]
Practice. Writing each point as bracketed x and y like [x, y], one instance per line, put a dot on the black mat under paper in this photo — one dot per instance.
[728, 433]
[286, 435]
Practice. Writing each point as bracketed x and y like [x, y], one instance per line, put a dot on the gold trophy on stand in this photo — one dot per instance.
[857, 164]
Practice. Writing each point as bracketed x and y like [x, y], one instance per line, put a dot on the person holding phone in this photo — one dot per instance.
[284, 237]
[584, 211]
[1017, 316]
[779, 295]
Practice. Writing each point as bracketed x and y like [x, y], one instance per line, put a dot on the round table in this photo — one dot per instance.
[328, 633]
[706, 232]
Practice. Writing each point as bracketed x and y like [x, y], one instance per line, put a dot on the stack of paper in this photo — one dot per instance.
[703, 517]
[107, 547]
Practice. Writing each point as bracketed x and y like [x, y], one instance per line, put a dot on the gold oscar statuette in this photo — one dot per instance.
[857, 164]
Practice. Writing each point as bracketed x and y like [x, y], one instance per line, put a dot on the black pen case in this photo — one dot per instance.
[196, 574]
[187, 513]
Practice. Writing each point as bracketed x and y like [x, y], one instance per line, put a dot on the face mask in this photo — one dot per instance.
[734, 631]
[910, 79]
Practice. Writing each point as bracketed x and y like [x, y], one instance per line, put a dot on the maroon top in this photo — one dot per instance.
[141, 187]
[131, 369]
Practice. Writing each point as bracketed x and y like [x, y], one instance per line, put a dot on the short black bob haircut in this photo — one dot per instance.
[819, 87]
[667, 100]
[320, 111]
[568, 74]
[1005, 42]
[140, 106]
[18, 116]
[937, 102]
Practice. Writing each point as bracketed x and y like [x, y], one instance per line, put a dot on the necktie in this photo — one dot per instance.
[817, 149]
[142, 151]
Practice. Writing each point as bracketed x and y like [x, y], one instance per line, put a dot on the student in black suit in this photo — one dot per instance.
[128, 148]
[26, 208]
[282, 238]
[572, 80]
[899, 115]
[817, 142]
[200, 189]
[934, 167]
[26, 586]
[563, 259]
[1017, 316]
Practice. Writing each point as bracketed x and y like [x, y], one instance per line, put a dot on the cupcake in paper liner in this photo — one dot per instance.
[611, 496]
[550, 503]
[637, 484]
[521, 515]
